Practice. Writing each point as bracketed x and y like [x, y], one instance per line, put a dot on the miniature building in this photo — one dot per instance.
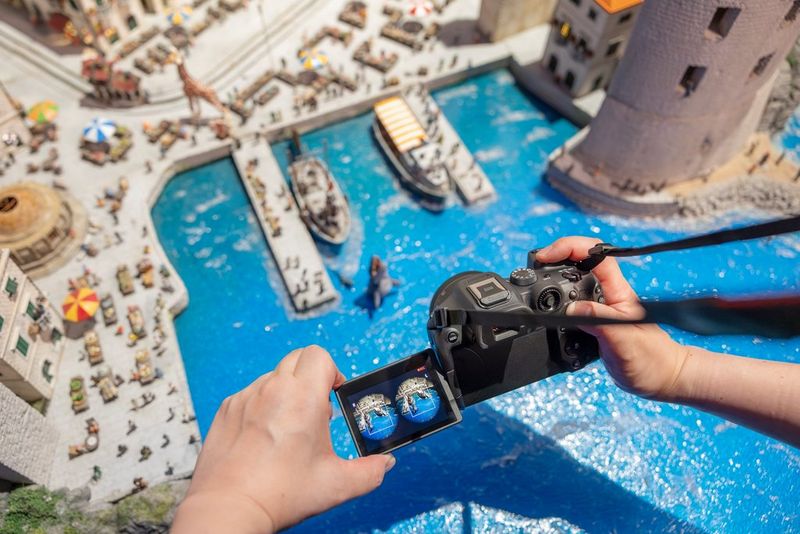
[27, 442]
[499, 19]
[111, 86]
[30, 341]
[687, 95]
[587, 39]
[99, 23]
[11, 123]
[40, 225]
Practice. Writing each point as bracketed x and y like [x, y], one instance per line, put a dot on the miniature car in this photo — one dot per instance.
[77, 393]
[93, 350]
[125, 280]
[109, 312]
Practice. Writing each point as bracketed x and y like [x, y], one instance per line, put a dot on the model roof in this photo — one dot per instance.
[615, 6]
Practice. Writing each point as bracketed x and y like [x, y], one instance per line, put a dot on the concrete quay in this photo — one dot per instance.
[471, 182]
[295, 252]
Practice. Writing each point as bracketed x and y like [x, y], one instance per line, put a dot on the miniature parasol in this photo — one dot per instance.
[99, 130]
[312, 59]
[420, 8]
[80, 305]
[43, 112]
[179, 15]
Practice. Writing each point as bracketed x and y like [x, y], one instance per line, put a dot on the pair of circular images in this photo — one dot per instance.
[416, 399]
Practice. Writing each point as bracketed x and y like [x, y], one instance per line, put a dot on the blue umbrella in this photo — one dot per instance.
[99, 130]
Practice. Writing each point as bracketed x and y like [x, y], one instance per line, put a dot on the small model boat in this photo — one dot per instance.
[323, 206]
[406, 145]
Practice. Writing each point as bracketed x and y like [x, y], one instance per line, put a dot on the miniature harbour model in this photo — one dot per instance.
[323, 206]
[407, 147]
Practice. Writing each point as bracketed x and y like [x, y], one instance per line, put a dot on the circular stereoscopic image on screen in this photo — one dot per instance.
[418, 400]
[376, 416]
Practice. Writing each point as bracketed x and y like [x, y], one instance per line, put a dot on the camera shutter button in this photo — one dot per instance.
[523, 277]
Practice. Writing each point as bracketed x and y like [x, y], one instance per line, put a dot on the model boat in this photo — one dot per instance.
[323, 206]
[406, 145]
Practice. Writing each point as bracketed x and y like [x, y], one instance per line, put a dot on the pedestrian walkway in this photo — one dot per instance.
[294, 250]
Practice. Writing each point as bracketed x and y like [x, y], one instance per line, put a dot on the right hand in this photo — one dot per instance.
[641, 358]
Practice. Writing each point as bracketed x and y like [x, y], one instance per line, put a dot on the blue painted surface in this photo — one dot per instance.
[570, 453]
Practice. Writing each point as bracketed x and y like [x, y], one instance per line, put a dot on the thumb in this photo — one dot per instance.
[363, 475]
[590, 308]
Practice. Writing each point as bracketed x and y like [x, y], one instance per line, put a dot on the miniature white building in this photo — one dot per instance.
[27, 442]
[685, 99]
[90, 22]
[30, 340]
[499, 19]
[587, 40]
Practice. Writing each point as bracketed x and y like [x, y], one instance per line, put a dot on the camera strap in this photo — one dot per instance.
[782, 226]
[775, 317]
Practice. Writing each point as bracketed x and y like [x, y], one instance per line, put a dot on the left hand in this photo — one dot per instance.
[268, 461]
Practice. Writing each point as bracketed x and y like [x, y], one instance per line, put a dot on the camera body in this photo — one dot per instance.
[479, 360]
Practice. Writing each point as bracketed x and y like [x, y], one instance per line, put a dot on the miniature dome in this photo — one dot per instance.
[36, 223]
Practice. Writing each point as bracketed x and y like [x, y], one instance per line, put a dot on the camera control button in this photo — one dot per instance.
[523, 277]
[571, 275]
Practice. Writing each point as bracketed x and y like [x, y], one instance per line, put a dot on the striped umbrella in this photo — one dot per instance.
[312, 59]
[80, 305]
[178, 16]
[99, 130]
[43, 112]
[420, 8]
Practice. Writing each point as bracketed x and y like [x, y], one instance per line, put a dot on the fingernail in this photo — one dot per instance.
[579, 309]
[390, 461]
[545, 251]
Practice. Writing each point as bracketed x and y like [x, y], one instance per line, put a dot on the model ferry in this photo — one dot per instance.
[323, 206]
[406, 145]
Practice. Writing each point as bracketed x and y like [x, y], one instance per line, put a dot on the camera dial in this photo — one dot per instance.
[549, 299]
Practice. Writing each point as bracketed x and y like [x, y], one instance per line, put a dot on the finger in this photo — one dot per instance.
[589, 308]
[288, 363]
[615, 287]
[363, 475]
[315, 368]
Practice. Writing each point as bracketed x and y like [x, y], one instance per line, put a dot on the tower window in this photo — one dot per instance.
[597, 83]
[576, 2]
[761, 65]
[569, 79]
[691, 79]
[722, 21]
[625, 18]
[592, 14]
[552, 63]
[613, 48]
[792, 13]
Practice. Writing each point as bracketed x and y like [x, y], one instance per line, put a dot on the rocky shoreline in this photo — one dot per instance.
[35, 509]
[745, 192]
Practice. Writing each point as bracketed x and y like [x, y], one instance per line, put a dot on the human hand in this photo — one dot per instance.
[268, 462]
[642, 358]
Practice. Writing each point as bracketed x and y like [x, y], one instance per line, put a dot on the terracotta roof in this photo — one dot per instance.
[615, 6]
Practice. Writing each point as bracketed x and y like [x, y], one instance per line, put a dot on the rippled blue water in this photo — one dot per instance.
[567, 454]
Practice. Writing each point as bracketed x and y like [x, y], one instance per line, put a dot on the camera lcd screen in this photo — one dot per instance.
[397, 404]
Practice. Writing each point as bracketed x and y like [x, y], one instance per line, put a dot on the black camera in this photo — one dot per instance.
[486, 342]
[479, 357]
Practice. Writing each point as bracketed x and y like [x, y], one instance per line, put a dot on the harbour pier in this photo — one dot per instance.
[471, 182]
[294, 250]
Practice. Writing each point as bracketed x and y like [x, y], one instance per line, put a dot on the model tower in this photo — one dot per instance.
[687, 95]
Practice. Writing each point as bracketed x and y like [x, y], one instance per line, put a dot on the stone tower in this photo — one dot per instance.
[686, 96]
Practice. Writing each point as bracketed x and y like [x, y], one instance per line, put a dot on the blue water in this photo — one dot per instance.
[573, 452]
[424, 409]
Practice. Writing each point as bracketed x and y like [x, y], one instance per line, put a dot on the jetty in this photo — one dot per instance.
[471, 182]
[295, 252]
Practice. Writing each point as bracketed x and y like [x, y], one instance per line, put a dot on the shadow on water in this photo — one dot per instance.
[532, 477]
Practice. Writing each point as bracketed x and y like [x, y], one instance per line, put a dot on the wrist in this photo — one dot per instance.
[681, 388]
[221, 512]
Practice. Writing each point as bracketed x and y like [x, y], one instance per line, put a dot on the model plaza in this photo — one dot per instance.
[117, 413]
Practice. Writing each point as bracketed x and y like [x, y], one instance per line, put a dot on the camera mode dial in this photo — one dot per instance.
[523, 277]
